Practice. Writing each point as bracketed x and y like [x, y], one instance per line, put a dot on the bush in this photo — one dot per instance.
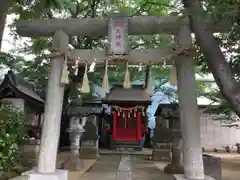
[13, 132]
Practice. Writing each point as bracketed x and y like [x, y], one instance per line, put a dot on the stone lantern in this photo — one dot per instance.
[75, 130]
[168, 130]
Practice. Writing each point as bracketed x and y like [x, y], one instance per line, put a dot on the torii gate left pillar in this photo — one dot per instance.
[46, 168]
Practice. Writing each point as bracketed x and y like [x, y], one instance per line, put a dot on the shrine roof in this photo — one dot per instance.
[85, 108]
[132, 95]
[19, 88]
[169, 108]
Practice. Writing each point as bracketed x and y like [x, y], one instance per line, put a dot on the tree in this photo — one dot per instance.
[13, 133]
[42, 6]
[36, 70]
[3, 16]
[209, 46]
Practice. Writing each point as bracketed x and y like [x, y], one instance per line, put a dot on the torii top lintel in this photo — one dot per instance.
[95, 27]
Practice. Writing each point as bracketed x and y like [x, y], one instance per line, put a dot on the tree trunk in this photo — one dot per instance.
[213, 54]
[3, 16]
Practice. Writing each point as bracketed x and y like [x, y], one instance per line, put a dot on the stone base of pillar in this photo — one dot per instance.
[58, 175]
[73, 163]
[182, 177]
[173, 169]
[161, 155]
[89, 152]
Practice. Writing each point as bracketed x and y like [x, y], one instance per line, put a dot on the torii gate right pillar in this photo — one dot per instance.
[189, 112]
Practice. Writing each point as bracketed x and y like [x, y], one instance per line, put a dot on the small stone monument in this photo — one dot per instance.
[161, 143]
[89, 141]
[168, 131]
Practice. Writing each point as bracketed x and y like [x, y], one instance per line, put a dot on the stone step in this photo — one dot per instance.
[127, 146]
[127, 142]
[143, 152]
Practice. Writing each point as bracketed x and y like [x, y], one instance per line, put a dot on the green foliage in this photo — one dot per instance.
[226, 11]
[12, 135]
[9, 61]
[36, 70]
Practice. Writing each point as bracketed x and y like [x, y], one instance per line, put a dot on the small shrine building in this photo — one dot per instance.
[21, 94]
[127, 117]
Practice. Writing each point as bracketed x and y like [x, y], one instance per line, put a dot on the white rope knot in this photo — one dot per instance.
[55, 52]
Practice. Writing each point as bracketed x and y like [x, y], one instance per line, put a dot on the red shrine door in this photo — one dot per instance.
[127, 127]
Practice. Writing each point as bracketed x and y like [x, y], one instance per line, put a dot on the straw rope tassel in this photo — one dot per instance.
[173, 75]
[105, 84]
[149, 88]
[127, 82]
[64, 76]
[85, 83]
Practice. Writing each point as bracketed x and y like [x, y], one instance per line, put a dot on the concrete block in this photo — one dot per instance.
[59, 174]
[182, 177]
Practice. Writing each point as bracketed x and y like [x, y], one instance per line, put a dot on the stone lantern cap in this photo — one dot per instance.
[168, 111]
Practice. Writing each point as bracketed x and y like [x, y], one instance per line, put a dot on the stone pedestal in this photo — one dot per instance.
[89, 150]
[73, 163]
[89, 141]
[59, 174]
[161, 152]
[176, 165]
[161, 143]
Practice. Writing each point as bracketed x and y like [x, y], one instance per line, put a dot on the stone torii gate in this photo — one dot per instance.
[62, 29]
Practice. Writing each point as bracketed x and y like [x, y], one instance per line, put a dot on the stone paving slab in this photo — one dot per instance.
[143, 169]
[125, 167]
[105, 168]
[124, 171]
[87, 164]
[124, 176]
[125, 164]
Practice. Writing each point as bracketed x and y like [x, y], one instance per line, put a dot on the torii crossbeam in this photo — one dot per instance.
[95, 27]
